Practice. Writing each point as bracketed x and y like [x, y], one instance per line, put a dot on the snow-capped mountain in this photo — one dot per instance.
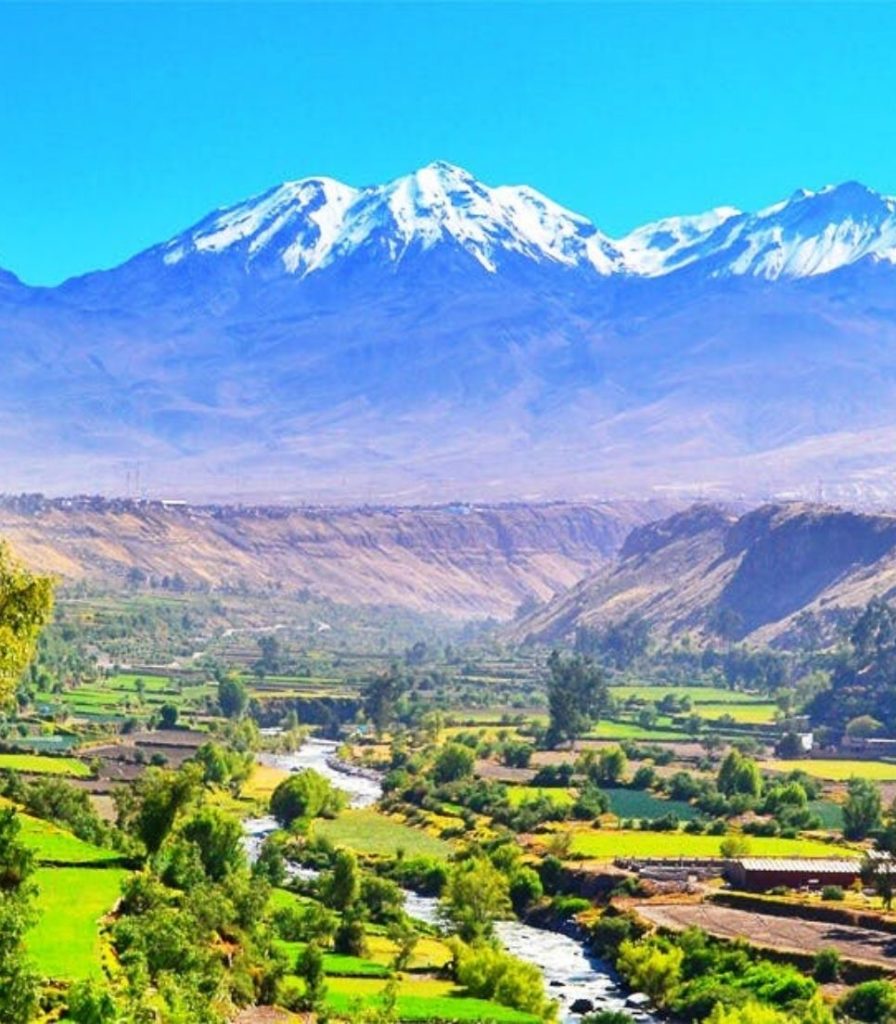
[436, 337]
[308, 225]
[808, 234]
[311, 224]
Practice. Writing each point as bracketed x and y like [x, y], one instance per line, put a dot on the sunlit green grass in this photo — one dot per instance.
[605, 844]
[65, 943]
[38, 764]
[837, 771]
[367, 831]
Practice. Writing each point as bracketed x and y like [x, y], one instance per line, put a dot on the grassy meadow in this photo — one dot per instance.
[65, 942]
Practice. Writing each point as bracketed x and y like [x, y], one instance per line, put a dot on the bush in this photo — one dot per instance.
[307, 794]
[827, 966]
[833, 892]
[873, 1002]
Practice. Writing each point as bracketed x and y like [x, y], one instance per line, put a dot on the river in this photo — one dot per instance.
[570, 972]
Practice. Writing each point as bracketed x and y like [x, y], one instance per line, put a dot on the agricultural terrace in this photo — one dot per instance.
[836, 770]
[65, 942]
[607, 844]
[39, 764]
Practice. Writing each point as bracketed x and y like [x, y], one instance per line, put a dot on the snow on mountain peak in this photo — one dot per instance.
[313, 222]
[309, 224]
[807, 234]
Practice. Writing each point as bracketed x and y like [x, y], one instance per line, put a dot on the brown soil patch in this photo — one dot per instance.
[793, 935]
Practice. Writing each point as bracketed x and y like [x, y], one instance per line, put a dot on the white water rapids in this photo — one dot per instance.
[570, 972]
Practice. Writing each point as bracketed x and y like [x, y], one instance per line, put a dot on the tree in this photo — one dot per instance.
[863, 726]
[454, 761]
[611, 765]
[310, 968]
[26, 602]
[219, 841]
[343, 885]
[734, 846]
[381, 696]
[476, 894]
[305, 794]
[577, 693]
[150, 808]
[651, 968]
[18, 984]
[168, 716]
[233, 697]
[861, 809]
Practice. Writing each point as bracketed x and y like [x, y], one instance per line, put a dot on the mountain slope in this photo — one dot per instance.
[435, 339]
[458, 561]
[708, 573]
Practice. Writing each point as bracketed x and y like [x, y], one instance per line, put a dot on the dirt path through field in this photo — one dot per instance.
[787, 934]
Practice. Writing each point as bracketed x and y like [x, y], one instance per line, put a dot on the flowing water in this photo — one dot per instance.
[570, 972]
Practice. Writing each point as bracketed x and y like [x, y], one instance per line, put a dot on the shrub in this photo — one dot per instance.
[827, 966]
[832, 892]
[873, 1002]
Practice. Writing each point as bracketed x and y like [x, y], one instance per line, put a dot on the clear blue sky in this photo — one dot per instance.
[121, 125]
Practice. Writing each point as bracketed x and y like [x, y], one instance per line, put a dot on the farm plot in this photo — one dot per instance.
[837, 771]
[368, 831]
[419, 999]
[65, 942]
[637, 803]
[794, 935]
[606, 844]
[37, 764]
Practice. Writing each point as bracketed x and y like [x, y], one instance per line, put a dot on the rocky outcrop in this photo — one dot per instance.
[764, 576]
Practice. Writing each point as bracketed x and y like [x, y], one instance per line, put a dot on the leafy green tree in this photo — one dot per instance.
[304, 795]
[150, 807]
[219, 841]
[233, 697]
[862, 809]
[577, 693]
[343, 885]
[872, 1002]
[454, 761]
[90, 1002]
[612, 765]
[26, 603]
[168, 716]
[476, 895]
[18, 983]
[310, 968]
[381, 696]
[652, 967]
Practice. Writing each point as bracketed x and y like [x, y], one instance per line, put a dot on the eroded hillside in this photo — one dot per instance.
[458, 560]
[766, 576]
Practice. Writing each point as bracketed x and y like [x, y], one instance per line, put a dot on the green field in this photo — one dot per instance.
[368, 831]
[54, 845]
[837, 771]
[619, 730]
[696, 694]
[338, 964]
[420, 999]
[744, 714]
[65, 943]
[517, 795]
[608, 843]
[637, 803]
[37, 764]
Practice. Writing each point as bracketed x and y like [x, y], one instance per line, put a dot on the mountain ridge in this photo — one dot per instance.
[766, 576]
[457, 350]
